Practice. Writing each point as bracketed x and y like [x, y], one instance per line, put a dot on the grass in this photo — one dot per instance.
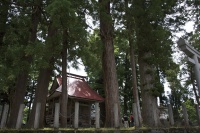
[100, 130]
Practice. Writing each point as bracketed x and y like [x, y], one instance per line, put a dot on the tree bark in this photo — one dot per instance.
[150, 112]
[17, 99]
[40, 96]
[126, 86]
[131, 30]
[64, 95]
[134, 82]
[43, 80]
[22, 80]
[108, 63]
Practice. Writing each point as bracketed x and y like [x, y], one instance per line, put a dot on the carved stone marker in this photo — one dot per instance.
[56, 115]
[37, 115]
[76, 114]
[116, 118]
[193, 58]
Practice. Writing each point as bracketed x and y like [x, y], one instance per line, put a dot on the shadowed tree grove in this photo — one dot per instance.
[127, 49]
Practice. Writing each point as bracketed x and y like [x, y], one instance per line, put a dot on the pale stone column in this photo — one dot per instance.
[116, 116]
[97, 111]
[171, 116]
[20, 116]
[4, 116]
[1, 111]
[37, 115]
[89, 117]
[185, 115]
[196, 71]
[76, 114]
[198, 113]
[56, 115]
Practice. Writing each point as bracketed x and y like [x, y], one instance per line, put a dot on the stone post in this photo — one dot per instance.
[4, 116]
[116, 116]
[89, 117]
[171, 116]
[185, 115]
[37, 115]
[197, 72]
[97, 115]
[76, 114]
[1, 111]
[198, 113]
[56, 115]
[20, 116]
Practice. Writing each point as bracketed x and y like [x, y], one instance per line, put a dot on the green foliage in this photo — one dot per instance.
[24, 121]
[91, 57]
[191, 111]
[60, 12]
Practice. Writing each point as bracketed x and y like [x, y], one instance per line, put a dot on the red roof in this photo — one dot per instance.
[79, 88]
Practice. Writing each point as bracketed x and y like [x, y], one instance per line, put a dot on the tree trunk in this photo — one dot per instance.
[31, 100]
[131, 30]
[134, 81]
[64, 95]
[108, 63]
[18, 98]
[21, 84]
[126, 86]
[150, 112]
[43, 80]
[40, 96]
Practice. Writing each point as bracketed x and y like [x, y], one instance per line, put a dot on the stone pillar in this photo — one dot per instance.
[171, 116]
[116, 116]
[37, 115]
[197, 72]
[56, 115]
[135, 115]
[198, 113]
[97, 115]
[20, 116]
[185, 115]
[1, 111]
[76, 114]
[89, 113]
[4, 116]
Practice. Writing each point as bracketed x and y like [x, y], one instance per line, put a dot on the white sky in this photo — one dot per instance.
[79, 71]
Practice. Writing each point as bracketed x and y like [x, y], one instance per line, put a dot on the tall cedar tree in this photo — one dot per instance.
[22, 79]
[152, 38]
[131, 36]
[64, 95]
[44, 78]
[108, 64]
